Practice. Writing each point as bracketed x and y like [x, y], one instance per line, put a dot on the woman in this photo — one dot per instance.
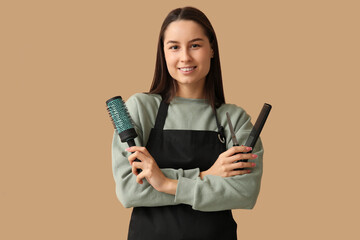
[190, 179]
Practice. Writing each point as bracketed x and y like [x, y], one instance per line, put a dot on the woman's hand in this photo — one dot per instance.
[226, 164]
[150, 170]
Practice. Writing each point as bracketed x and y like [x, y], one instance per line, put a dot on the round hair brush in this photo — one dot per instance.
[121, 120]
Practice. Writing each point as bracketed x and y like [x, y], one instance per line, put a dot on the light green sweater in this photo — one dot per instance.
[212, 193]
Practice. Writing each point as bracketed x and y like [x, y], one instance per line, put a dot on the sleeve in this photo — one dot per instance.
[237, 192]
[128, 191]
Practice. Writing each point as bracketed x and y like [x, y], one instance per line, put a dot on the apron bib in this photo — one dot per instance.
[186, 149]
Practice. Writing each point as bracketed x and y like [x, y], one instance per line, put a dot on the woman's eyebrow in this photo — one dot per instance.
[193, 40]
[196, 39]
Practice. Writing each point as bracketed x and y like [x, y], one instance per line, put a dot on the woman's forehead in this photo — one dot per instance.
[184, 30]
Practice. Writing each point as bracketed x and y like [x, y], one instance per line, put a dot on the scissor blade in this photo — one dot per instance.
[233, 137]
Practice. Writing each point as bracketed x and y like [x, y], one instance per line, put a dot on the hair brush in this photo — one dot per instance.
[122, 121]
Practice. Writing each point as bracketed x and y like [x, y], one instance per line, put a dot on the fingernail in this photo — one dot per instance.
[248, 148]
[127, 149]
[254, 156]
[253, 164]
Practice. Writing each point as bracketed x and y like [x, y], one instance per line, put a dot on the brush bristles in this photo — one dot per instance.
[119, 114]
[111, 117]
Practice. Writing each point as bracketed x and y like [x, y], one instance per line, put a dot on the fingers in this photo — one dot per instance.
[143, 150]
[242, 156]
[239, 172]
[140, 159]
[241, 168]
[237, 167]
[135, 166]
[243, 165]
[140, 177]
[136, 155]
[235, 150]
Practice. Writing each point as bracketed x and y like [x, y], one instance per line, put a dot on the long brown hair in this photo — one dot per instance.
[164, 84]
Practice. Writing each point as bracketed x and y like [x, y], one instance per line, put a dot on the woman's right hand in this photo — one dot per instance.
[226, 164]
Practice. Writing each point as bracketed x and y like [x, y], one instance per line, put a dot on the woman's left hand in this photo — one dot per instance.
[150, 170]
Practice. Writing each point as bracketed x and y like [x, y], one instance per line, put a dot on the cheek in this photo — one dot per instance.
[204, 56]
[170, 64]
[206, 62]
[169, 59]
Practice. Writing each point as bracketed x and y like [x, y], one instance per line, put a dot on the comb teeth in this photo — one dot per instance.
[119, 114]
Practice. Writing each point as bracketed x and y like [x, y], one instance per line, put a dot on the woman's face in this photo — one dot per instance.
[187, 53]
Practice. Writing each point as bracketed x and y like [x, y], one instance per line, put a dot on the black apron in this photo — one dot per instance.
[186, 149]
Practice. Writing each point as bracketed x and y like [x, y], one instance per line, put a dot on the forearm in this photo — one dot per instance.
[170, 187]
[132, 194]
[215, 193]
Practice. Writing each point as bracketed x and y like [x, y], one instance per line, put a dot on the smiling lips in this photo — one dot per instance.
[187, 69]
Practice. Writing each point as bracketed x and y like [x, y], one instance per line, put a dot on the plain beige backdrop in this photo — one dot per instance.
[61, 60]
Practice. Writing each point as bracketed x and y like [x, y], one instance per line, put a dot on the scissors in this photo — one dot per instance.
[233, 137]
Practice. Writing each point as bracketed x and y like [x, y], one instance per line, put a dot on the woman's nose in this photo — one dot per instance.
[185, 55]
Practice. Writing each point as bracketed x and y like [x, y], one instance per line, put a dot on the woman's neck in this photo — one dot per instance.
[186, 91]
[190, 94]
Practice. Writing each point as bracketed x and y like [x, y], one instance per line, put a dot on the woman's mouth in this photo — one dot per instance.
[187, 69]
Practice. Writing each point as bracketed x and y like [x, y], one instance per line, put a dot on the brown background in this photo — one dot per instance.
[61, 60]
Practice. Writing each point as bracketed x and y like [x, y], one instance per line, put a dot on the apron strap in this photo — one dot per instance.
[161, 115]
[221, 133]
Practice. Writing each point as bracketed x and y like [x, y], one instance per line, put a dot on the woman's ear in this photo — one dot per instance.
[212, 53]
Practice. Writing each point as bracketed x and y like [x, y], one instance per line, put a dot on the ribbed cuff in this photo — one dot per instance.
[185, 191]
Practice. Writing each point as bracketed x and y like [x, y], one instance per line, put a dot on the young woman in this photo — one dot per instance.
[190, 179]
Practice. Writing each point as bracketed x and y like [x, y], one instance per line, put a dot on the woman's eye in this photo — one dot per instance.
[195, 45]
[174, 47]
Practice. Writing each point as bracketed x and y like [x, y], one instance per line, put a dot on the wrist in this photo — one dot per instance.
[203, 174]
[170, 186]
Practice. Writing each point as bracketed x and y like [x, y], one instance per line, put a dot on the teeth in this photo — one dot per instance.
[187, 69]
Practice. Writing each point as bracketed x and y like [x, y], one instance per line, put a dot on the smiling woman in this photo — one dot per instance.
[187, 54]
[190, 178]
[179, 29]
